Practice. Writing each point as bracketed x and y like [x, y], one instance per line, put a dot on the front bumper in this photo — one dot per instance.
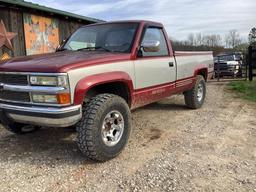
[226, 70]
[43, 116]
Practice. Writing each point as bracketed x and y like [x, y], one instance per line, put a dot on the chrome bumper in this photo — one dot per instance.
[43, 116]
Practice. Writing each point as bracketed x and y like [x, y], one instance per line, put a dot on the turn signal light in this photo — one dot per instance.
[64, 98]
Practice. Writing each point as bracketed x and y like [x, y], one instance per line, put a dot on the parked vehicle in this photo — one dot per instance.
[95, 78]
[228, 65]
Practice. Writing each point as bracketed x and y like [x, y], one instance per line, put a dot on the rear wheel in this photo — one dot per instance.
[195, 97]
[104, 128]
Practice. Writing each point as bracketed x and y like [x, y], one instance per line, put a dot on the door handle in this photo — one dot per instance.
[171, 64]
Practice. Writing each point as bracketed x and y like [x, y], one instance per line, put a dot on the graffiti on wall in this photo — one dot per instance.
[41, 34]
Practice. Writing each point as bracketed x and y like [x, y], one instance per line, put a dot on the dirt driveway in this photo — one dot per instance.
[171, 148]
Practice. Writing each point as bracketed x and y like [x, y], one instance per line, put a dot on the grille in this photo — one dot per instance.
[224, 66]
[15, 96]
[13, 79]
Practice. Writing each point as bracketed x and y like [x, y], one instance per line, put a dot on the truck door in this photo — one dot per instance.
[154, 68]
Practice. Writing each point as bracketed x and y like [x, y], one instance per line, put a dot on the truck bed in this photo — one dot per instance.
[189, 61]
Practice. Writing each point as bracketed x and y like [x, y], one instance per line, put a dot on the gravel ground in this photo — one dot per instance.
[171, 148]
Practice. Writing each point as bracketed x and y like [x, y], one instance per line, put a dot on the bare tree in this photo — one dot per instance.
[215, 40]
[191, 39]
[201, 40]
[232, 39]
[206, 40]
[198, 39]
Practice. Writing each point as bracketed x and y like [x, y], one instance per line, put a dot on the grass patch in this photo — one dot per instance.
[245, 89]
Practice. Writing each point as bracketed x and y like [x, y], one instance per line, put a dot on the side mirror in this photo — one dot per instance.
[150, 46]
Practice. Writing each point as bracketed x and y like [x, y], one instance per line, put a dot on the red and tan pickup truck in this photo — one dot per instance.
[95, 79]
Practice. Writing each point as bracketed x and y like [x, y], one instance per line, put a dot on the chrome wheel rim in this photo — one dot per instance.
[200, 92]
[112, 128]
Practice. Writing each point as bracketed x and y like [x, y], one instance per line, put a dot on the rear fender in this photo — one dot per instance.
[199, 70]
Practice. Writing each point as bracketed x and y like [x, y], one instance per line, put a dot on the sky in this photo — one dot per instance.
[180, 17]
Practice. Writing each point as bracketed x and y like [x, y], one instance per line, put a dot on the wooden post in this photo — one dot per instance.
[250, 72]
[246, 66]
[218, 68]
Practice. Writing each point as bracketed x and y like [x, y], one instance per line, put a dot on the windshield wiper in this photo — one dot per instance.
[94, 48]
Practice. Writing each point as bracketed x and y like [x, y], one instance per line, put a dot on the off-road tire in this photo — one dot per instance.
[191, 98]
[89, 135]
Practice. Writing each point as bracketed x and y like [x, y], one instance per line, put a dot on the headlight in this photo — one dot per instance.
[60, 81]
[42, 98]
[61, 98]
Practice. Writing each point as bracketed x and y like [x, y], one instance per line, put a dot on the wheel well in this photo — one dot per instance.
[117, 88]
[203, 72]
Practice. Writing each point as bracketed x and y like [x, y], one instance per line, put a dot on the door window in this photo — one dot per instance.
[155, 34]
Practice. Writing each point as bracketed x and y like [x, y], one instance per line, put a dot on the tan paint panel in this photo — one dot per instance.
[145, 72]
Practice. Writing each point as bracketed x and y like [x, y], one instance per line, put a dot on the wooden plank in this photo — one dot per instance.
[5, 16]
[16, 22]
[67, 27]
[64, 31]
[73, 26]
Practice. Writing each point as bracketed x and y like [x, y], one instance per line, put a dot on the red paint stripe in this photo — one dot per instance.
[151, 94]
[154, 86]
[192, 77]
[183, 83]
[164, 84]
[151, 88]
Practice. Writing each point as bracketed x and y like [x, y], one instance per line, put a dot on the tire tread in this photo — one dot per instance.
[86, 139]
[191, 95]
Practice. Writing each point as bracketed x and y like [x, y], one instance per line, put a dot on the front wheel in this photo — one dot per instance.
[104, 128]
[195, 97]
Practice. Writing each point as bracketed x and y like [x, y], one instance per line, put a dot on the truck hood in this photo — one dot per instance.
[232, 62]
[60, 61]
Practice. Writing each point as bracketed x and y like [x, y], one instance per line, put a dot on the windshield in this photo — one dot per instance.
[227, 57]
[115, 37]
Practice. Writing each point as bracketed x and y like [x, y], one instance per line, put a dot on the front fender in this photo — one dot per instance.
[89, 82]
